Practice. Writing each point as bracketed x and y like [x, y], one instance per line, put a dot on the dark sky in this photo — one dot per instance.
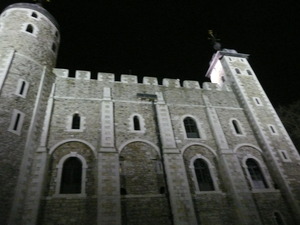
[169, 38]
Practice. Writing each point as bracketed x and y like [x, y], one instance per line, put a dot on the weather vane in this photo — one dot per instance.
[215, 42]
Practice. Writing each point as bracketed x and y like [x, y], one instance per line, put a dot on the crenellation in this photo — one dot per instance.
[63, 73]
[171, 82]
[191, 84]
[210, 86]
[150, 80]
[129, 79]
[106, 77]
[82, 75]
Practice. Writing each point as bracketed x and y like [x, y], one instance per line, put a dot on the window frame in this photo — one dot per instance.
[197, 125]
[34, 29]
[141, 123]
[236, 127]
[69, 123]
[212, 172]
[20, 87]
[262, 171]
[59, 168]
[17, 120]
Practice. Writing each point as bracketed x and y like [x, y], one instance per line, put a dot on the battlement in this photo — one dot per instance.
[133, 79]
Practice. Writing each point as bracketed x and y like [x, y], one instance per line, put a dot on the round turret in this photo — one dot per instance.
[30, 30]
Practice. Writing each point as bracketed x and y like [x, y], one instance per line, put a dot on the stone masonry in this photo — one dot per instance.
[76, 150]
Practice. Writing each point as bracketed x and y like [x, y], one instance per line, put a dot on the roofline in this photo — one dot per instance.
[219, 54]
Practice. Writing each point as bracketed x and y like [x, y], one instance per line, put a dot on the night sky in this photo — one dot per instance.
[168, 39]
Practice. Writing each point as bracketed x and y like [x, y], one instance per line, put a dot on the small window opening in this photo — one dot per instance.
[34, 15]
[204, 179]
[76, 121]
[15, 128]
[236, 126]
[272, 129]
[29, 28]
[71, 176]
[54, 47]
[123, 191]
[256, 175]
[237, 71]
[249, 72]
[284, 155]
[257, 101]
[278, 219]
[223, 79]
[21, 92]
[56, 34]
[136, 123]
[191, 128]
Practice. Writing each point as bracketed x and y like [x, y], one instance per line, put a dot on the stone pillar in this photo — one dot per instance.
[179, 193]
[39, 170]
[234, 180]
[109, 202]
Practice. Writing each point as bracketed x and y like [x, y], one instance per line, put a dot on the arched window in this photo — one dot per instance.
[136, 123]
[71, 176]
[278, 219]
[34, 15]
[191, 128]
[76, 121]
[237, 71]
[249, 72]
[29, 28]
[202, 172]
[236, 127]
[256, 175]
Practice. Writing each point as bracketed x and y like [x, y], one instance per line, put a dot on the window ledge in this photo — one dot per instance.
[265, 190]
[70, 196]
[144, 196]
[74, 130]
[208, 192]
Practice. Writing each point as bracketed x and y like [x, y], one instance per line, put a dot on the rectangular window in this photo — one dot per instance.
[16, 122]
[22, 88]
[284, 156]
[272, 130]
[257, 101]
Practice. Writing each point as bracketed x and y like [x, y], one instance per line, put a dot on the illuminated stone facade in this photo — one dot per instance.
[76, 150]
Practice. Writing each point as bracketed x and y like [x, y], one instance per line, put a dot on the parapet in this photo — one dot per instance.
[133, 79]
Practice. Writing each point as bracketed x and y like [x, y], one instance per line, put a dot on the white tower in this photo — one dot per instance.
[29, 40]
